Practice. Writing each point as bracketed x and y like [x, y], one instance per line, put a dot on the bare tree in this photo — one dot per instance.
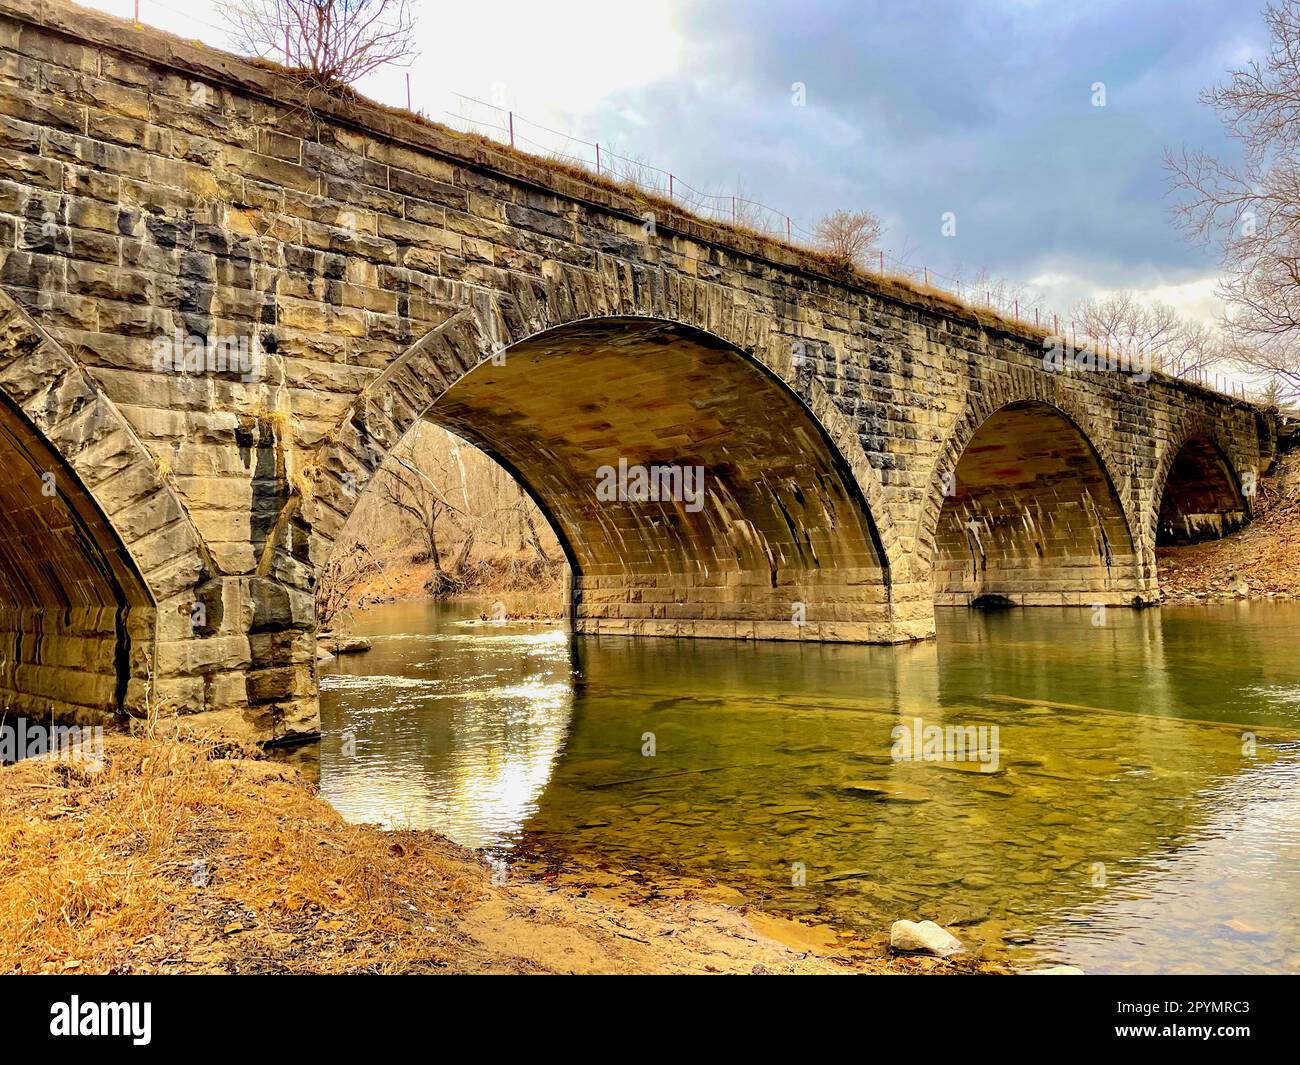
[848, 236]
[1253, 209]
[439, 498]
[1153, 331]
[524, 508]
[1272, 394]
[336, 42]
[416, 494]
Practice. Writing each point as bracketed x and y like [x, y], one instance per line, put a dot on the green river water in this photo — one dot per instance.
[1124, 822]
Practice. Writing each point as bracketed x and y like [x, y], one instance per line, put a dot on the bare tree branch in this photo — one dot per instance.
[1252, 210]
[335, 42]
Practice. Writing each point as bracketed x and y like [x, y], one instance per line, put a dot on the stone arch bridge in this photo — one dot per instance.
[223, 302]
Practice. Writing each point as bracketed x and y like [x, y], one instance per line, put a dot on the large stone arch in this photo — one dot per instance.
[836, 564]
[1224, 499]
[1094, 553]
[96, 552]
[1026, 386]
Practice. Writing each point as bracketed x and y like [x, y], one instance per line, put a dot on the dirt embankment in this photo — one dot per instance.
[1262, 561]
[189, 858]
[399, 581]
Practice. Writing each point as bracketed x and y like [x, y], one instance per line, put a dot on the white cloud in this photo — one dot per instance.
[1196, 299]
[551, 63]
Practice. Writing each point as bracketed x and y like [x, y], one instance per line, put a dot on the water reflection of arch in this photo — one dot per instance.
[1055, 660]
[448, 751]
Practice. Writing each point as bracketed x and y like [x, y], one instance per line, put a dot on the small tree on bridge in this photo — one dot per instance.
[334, 42]
[847, 237]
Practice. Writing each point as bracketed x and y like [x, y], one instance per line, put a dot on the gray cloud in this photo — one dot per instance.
[985, 110]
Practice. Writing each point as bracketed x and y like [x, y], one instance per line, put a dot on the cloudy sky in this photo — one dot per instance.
[911, 108]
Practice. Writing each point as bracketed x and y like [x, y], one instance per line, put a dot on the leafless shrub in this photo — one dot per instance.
[748, 213]
[637, 173]
[847, 237]
[983, 288]
[346, 568]
[335, 42]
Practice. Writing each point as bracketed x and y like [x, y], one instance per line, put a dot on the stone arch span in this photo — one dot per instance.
[94, 545]
[1030, 515]
[768, 535]
[1198, 494]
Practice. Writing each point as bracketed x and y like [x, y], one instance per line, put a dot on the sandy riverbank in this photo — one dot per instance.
[189, 858]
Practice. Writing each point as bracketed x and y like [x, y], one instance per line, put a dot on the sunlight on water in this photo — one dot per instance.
[1127, 823]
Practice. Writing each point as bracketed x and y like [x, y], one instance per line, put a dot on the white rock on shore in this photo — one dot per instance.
[909, 937]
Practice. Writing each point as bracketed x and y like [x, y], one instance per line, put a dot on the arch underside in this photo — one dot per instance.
[71, 600]
[1032, 518]
[774, 542]
[1201, 499]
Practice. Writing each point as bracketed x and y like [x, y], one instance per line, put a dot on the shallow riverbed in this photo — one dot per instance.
[1136, 809]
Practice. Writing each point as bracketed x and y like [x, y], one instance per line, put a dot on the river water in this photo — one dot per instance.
[1132, 803]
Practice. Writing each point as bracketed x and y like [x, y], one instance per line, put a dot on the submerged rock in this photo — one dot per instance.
[886, 790]
[1245, 929]
[970, 765]
[909, 937]
[850, 874]
[966, 915]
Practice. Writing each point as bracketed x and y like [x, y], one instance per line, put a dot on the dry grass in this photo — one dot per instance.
[410, 579]
[173, 856]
